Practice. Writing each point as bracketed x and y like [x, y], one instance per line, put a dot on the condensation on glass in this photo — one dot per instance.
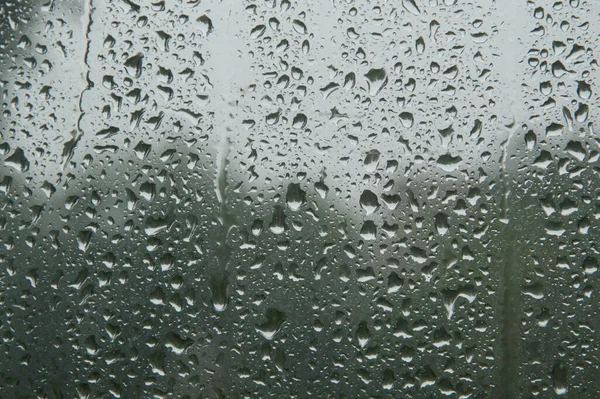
[330, 199]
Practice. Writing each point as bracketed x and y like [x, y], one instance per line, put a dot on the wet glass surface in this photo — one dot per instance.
[330, 199]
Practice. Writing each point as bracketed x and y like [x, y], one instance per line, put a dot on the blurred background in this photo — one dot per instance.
[331, 199]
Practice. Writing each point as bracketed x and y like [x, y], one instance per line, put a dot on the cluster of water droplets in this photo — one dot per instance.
[290, 199]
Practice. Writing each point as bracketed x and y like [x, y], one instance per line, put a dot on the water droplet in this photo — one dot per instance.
[295, 197]
[411, 7]
[369, 202]
[272, 325]
[205, 25]
[376, 80]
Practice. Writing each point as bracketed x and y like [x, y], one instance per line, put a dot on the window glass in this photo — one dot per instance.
[277, 198]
